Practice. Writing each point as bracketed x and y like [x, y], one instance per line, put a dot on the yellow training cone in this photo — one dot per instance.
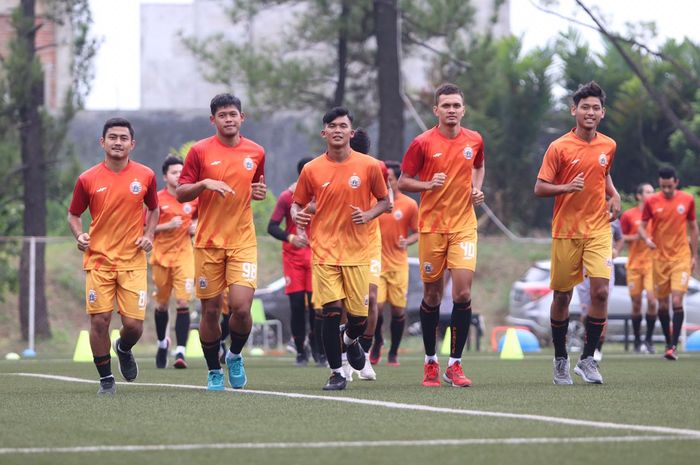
[194, 347]
[83, 352]
[445, 347]
[511, 346]
[113, 337]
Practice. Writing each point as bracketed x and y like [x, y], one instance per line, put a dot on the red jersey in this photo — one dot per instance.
[669, 218]
[398, 223]
[281, 212]
[116, 206]
[169, 246]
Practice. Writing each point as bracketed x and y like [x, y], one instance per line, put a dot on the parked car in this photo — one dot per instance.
[531, 298]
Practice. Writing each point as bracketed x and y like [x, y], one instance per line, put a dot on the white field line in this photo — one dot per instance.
[336, 444]
[408, 407]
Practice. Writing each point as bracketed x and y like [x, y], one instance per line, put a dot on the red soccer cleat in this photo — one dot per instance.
[454, 375]
[431, 374]
[375, 353]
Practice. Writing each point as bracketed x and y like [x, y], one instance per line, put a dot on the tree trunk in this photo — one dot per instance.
[34, 179]
[391, 123]
[339, 95]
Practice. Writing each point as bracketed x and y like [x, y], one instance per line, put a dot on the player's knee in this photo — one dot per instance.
[561, 299]
[99, 324]
[432, 296]
[599, 294]
[461, 295]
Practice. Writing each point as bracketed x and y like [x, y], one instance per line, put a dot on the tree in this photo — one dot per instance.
[38, 135]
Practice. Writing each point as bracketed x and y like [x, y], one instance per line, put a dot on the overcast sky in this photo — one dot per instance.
[117, 68]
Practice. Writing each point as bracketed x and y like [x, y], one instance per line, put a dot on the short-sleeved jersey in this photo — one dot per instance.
[170, 246]
[584, 214]
[669, 219]
[448, 209]
[398, 223]
[116, 204]
[225, 222]
[639, 254]
[356, 181]
[281, 212]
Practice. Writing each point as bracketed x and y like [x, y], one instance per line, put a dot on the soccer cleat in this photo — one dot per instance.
[215, 381]
[180, 362]
[587, 369]
[347, 370]
[127, 363]
[431, 374]
[638, 347]
[597, 355]
[375, 353]
[671, 354]
[108, 387]
[356, 356]
[455, 376]
[301, 361]
[650, 349]
[322, 361]
[367, 372]
[162, 354]
[236, 371]
[392, 360]
[560, 371]
[336, 382]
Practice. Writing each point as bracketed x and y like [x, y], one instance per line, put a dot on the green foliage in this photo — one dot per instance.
[262, 211]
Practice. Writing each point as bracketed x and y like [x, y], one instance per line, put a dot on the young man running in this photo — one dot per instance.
[225, 172]
[115, 247]
[343, 184]
[576, 171]
[446, 165]
[640, 269]
[671, 213]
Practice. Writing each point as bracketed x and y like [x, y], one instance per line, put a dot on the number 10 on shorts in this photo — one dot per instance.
[469, 249]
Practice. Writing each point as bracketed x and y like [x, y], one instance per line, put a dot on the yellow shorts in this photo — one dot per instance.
[640, 280]
[456, 250]
[349, 284]
[671, 277]
[375, 267]
[393, 288]
[570, 256]
[179, 277]
[129, 287]
[217, 269]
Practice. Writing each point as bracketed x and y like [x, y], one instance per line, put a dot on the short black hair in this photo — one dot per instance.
[668, 172]
[394, 166]
[640, 188]
[336, 112]
[360, 142]
[448, 89]
[171, 160]
[117, 123]
[591, 89]
[302, 162]
[223, 101]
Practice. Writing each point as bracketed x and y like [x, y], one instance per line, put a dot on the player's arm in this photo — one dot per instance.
[411, 184]
[478, 175]
[146, 241]
[643, 235]
[78, 204]
[547, 189]
[693, 226]
[174, 223]
[75, 223]
[614, 204]
[190, 191]
[364, 217]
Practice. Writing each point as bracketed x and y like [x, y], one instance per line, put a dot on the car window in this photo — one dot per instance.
[535, 274]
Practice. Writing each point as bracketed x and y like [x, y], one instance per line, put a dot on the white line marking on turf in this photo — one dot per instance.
[336, 444]
[402, 406]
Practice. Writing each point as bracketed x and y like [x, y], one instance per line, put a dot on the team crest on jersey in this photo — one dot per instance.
[354, 181]
[680, 209]
[468, 153]
[203, 282]
[428, 267]
[603, 159]
[135, 187]
[187, 208]
[398, 214]
[92, 296]
[248, 163]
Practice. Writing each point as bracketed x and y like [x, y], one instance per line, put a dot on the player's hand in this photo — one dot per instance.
[219, 187]
[259, 189]
[576, 185]
[299, 241]
[650, 244]
[358, 216]
[145, 242]
[192, 229]
[303, 217]
[83, 242]
[176, 222]
[437, 182]
[477, 196]
[403, 243]
[614, 207]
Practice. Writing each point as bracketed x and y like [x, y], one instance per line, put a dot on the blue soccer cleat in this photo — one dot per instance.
[236, 371]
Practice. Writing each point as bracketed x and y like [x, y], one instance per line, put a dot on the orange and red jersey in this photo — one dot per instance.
[669, 219]
[225, 222]
[398, 223]
[356, 181]
[584, 214]
[169, 246]
[639, 254]
[281, 212]
[116, 204]
[448, 209]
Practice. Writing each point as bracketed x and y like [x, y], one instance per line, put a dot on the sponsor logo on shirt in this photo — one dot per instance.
[215, 162]
[573, 162]
[135, 187]
[354, 181]
[468, 152]
[680, 209]
[187, 208]
[248, 163]
[325, 184]
[437, 155]
[164, 207]
[398, 214]
[101, 189]
[603, 159]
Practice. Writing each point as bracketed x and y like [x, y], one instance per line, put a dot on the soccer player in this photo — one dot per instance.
[446, 165]
[115, 247]
[399, 229]
[671, 213]
[576, 171]
[640, 270]
[344, 184]
[225, 171]
[172, 264]
[296, 265]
